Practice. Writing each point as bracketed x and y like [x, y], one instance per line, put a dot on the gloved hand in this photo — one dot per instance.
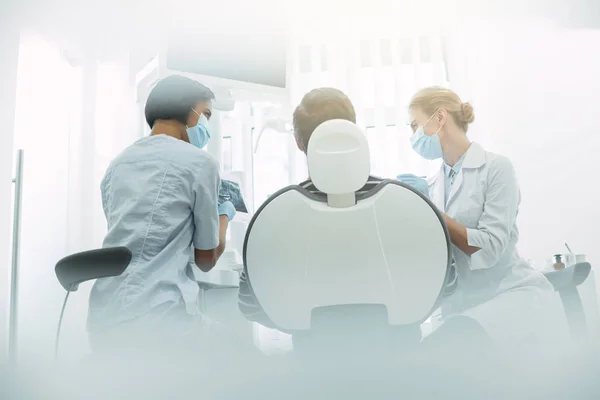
[227, 208]
[415, 182]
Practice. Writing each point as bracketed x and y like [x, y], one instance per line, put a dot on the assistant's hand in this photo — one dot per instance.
[227, 208]
[415, 182]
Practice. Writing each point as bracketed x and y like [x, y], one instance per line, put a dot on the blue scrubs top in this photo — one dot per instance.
[160, 199]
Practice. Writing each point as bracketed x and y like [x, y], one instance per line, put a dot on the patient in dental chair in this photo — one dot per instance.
[317, 106]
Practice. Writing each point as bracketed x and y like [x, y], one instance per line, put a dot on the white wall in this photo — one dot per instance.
[45, 93]
[535, 91]
[71, 121]
[9, 48]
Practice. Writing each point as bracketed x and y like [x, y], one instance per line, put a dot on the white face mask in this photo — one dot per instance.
[428, 147]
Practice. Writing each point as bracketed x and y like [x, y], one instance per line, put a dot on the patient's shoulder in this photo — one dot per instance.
[371, 183]
[373, 178]
[309, 185]
[305, 183]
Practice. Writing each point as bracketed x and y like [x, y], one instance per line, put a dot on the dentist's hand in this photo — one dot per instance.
[227, 208]
[415, 182]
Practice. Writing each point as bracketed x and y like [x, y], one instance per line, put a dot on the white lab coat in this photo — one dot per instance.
[515, 304]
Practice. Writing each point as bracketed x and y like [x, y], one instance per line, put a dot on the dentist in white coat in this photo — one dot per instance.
[498, 292]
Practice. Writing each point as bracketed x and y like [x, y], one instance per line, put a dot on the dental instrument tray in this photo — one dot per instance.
[230, 191]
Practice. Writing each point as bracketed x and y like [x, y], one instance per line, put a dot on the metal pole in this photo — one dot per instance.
[14, 272]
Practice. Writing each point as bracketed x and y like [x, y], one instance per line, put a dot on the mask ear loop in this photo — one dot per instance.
[199, 116]
[425, 124]
[430, 118]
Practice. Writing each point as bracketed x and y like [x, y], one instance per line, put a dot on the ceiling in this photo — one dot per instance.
[111, 27]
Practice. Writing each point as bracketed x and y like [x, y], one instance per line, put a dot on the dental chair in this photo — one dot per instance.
[345, 272]
[78, 268]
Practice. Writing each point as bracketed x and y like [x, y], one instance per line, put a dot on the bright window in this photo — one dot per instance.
[271, 164]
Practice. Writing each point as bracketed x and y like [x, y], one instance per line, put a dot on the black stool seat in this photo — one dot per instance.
[101, 263]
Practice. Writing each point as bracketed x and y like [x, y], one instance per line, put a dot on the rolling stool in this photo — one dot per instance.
[565, 282]
[81, 267]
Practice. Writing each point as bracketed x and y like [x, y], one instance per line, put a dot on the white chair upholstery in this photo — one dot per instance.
[305, 252]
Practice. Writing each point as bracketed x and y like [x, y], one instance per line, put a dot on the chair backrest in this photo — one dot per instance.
[317, 257]
[565, 282]
[101, 263]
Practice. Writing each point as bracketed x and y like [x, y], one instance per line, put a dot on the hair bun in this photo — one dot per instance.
[467, 113]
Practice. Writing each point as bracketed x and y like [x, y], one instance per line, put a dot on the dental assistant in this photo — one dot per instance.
[499, 295]
[160, 199]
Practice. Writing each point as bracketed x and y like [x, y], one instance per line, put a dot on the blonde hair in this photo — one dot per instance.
[431, 99]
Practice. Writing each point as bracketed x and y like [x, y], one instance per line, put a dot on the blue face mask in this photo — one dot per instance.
[199, 134]
[428, 147]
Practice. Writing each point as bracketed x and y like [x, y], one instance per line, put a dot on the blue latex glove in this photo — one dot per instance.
[227, 208]
[415, 182]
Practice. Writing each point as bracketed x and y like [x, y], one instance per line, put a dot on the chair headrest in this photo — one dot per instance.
[338, 157]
